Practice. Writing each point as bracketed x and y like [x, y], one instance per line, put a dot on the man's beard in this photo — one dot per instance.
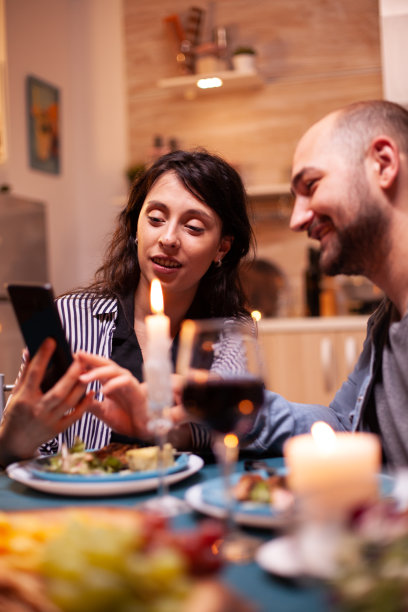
[359, 247]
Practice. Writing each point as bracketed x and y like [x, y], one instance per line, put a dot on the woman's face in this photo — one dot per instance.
[178, 237]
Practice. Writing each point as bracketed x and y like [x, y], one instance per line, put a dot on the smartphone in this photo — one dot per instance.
[38, 318]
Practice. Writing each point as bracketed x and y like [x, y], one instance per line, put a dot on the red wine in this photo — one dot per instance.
[221, 404]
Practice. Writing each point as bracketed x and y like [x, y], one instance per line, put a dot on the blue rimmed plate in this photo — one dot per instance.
[22, 472]
[209, 498]
[39, 469]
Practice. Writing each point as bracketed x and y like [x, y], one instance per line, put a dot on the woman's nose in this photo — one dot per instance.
[169, 240]
[302, 215]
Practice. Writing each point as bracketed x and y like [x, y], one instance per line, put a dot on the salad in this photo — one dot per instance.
[259, 490]
[372, 561]
[78, 460]
[114, 457]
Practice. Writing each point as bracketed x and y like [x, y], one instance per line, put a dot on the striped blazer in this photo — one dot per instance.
[89, 322]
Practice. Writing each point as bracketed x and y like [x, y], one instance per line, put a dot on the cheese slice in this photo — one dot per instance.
[141, 459]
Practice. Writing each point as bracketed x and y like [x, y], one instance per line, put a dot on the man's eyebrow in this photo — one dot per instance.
[296, 180]
[299, 177]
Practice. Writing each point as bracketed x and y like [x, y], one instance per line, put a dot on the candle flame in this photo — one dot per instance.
[156, 297]
[231, 440]
[256, 315]
[323, 436]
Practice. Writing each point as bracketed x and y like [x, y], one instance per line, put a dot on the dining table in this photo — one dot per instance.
[267, 591]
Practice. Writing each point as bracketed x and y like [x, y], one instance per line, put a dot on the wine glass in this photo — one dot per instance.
[223, 388]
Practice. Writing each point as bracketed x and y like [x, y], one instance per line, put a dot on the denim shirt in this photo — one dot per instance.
[278, 419]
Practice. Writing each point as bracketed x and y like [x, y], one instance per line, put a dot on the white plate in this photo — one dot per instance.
[20, 472]
[280, 557]
[251, 515]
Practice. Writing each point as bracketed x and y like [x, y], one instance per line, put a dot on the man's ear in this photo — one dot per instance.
[384, 155]
[225, 245]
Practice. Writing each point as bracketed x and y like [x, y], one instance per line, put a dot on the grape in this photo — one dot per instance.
[93, 568]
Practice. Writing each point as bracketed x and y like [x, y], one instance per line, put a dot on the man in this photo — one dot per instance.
[350, 182]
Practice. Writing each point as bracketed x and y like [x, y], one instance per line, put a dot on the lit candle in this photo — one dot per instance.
[157, 363]
[333, 472]
[157, 324]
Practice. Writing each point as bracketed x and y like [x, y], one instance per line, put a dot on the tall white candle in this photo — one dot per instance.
[157, 363]
[333, 472]
[157, 324]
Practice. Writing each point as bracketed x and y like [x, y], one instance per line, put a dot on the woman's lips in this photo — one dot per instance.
[166, 263]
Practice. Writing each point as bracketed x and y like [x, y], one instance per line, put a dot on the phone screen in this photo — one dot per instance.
[38, 318]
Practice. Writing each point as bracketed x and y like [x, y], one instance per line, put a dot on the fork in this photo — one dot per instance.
[258, 464]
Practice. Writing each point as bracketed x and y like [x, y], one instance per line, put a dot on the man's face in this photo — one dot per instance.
[336, 204]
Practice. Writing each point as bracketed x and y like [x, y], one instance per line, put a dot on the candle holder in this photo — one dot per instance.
[157, 375]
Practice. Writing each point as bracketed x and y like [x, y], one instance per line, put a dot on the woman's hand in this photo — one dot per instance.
[177, 413]
[33, 417]
[124, 407]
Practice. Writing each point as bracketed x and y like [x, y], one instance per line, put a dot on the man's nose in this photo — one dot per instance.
[302, 215]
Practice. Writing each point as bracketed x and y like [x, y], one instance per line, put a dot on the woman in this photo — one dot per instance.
[186, 224]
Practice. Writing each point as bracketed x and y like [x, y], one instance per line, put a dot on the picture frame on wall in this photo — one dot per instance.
[43, 118]
[3, 142]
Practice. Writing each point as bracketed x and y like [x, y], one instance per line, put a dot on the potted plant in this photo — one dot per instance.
[243, 59]
[134, 171]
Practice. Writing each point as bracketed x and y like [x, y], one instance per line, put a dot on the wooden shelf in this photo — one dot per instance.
[232, 80]
[272, 202]
[264, 191]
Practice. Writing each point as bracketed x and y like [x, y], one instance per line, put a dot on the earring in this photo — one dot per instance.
[136, 240]
[218, 263]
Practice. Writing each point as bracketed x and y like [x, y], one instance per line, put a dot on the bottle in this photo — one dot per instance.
[328, 297]
[157, 150]
[312, 283]
[173, 144]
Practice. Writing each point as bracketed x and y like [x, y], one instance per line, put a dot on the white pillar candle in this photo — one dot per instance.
[157, 324]
[333, 472]
[157, 363]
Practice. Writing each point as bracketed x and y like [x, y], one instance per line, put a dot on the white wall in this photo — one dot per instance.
[77, 46]
[394, 49]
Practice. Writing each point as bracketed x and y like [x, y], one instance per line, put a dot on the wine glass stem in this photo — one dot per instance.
[163, 487]
[228, 467]
[226, 458]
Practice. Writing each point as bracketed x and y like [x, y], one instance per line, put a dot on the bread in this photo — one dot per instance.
[141, 459]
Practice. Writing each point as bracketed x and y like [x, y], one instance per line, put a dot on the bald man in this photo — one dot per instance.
[350, 182]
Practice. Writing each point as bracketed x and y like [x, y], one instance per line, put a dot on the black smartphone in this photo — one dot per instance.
[38, 318]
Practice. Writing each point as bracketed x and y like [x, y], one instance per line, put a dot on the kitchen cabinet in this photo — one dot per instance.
[307, 359]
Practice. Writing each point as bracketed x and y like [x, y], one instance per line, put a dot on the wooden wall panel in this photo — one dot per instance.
[314, 57]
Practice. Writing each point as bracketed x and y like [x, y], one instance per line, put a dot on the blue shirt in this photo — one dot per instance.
[279, 419]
